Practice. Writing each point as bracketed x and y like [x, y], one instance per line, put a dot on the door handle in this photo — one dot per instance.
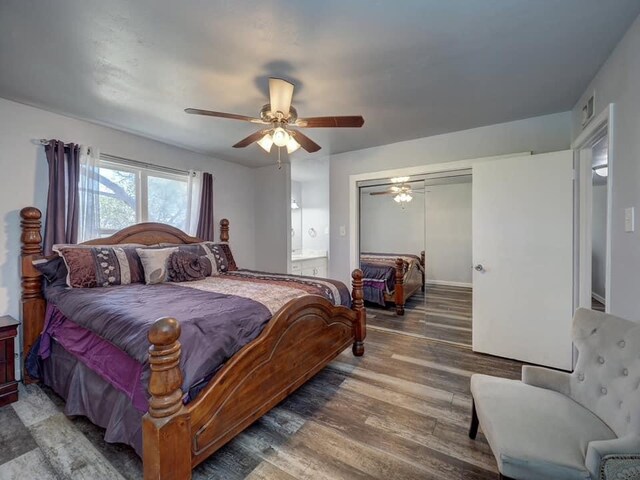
[479, 268]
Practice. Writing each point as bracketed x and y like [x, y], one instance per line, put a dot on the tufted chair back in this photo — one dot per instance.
[606, 379]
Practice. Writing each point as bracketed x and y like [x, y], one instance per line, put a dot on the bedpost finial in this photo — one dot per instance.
[224, 230]
[30, 213]
[164, 331]
[31, 237]
[357, 274]
[165, 381]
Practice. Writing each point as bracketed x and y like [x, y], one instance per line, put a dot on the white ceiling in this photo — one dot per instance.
[413, 68]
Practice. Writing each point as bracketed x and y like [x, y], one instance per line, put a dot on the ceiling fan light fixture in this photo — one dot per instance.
[266, 142]
[403, 198]
[280, 137]
[292, 145]
[602, 170]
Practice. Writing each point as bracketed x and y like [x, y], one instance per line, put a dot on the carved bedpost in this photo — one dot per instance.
[224, 230]
[357, 304]
[424, 268]
[33, 304]
[166, 435]
[399, 290]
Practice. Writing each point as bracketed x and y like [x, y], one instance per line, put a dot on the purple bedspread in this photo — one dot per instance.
[214, 326]
[95, 346]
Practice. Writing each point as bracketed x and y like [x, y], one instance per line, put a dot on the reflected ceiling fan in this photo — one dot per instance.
[280, 116]
[401, 190]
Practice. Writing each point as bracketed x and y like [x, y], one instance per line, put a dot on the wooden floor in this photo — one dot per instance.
[400, 412]
[441, 313]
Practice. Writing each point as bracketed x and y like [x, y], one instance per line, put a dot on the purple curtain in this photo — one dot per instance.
[61, 221]
[205, 218]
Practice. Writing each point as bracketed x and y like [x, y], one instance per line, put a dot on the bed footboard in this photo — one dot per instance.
[300, 340]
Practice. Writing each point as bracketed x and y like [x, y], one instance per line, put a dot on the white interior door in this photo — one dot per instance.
[523, 238]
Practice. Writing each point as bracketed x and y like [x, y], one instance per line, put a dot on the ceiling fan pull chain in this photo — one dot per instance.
[279, 161]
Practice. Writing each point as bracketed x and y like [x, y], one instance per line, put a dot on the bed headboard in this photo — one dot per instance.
[33, 304]
[146, 234]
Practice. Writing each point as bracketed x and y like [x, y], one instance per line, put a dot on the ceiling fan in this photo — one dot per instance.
[401, 190]
[280, 116]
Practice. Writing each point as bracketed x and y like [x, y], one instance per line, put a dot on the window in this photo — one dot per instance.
[130, 194]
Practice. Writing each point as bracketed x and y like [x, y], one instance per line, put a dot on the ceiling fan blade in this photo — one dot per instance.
[254, 137]
[353, 121]
[305, 142]
[280, 95]
[233, 116]
[382, 193]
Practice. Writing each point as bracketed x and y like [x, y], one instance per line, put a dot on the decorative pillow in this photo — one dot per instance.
[218, 253]
[221, 254]
[100, 266]
[155, 263]
[53, 270]
[187, 267]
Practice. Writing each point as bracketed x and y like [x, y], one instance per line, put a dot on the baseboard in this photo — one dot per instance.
[598, 298]
[447, 283]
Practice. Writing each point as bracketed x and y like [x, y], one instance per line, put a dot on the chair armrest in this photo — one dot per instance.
[598, 449]
[546, 378]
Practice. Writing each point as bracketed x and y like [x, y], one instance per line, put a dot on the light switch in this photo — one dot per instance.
[343, 230]
[629, 220]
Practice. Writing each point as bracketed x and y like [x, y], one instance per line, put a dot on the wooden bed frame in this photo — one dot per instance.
[405, 287]
[300, 339]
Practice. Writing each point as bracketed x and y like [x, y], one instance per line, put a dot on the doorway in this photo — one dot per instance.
[594, 164]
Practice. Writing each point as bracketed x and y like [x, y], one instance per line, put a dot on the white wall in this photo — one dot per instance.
[618, 81]
[387, 227]
[272, 208]
[448, 233]
[541, 134]
[24, 180]
[599, 240]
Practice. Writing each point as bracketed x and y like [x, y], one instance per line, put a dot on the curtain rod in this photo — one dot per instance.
[133, 163]
[151, 166]
[44, 141]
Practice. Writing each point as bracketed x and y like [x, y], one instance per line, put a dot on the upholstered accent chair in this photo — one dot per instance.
[557, 425]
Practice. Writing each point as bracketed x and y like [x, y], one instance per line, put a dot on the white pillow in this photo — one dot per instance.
[155, 262]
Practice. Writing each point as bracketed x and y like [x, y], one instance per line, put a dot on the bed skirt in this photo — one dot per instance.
[87, 394]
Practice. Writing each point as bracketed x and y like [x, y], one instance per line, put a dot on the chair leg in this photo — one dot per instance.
[473, 428]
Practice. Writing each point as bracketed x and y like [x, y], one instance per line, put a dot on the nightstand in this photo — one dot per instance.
[8, 384]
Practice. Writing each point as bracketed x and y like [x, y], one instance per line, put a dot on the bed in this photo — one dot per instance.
[392, 277]
[185, 412]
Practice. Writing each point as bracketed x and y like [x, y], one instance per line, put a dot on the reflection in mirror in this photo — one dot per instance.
[392, 226]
